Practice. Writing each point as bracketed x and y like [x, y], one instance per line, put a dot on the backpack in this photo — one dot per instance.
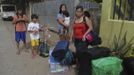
[62, 54]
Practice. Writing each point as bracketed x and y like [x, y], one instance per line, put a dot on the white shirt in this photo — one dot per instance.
[31, 27]
[67, 21]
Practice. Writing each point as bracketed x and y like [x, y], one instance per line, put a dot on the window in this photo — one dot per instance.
[123, 9]
[8, 8]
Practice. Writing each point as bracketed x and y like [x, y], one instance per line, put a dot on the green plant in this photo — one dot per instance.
[121, 45]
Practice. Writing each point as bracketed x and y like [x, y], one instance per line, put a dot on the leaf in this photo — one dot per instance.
[127, 50]
[123, 41]
[122, 45]
[115, 43]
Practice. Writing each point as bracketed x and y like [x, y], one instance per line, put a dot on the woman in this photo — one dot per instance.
[60, 19]
[19, 21]
[82, 26]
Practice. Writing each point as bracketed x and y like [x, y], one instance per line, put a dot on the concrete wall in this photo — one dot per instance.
[110, 27]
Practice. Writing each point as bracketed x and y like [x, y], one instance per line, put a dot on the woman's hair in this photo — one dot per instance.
[66, 13]
[34, 16]
[87, 14]
[80, 7]
[61, 8]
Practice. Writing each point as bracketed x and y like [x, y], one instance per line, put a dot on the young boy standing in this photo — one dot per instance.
[33, 29]
[19, 21]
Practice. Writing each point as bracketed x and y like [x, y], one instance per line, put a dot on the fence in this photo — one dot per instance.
[48, 10]
[123, 9]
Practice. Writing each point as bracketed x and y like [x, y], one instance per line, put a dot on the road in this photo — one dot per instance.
[13, 64]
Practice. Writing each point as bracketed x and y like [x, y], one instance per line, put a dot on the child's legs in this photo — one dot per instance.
[23, 38]
[17, 38]
[34, 44]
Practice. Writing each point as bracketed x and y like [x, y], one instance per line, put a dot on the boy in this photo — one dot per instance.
[19, 21]
[33, 29]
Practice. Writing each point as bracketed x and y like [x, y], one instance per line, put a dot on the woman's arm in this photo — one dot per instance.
[90, 26]
[61, 21]
[72, 32]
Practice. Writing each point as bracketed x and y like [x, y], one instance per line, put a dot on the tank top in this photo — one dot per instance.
[79, 30]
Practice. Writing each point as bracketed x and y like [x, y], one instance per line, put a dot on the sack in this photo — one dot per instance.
[93, 38]
[128, 65]
[107, 66]
[99, 52]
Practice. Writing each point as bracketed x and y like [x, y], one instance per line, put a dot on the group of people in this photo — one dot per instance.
[81, 26]
[19, 21]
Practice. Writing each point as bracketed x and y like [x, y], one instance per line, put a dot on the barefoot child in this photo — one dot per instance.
[33, 29]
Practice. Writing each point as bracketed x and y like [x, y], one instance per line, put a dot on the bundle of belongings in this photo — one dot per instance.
[99, 62]
[128, 66]
[61, 55]
[107, 66]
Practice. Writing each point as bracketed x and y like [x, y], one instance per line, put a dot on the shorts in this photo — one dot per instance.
[34, 42]
[20, 36]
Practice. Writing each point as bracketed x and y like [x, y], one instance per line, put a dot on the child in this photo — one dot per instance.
[33, 29]
[66, 21]
[19, 21]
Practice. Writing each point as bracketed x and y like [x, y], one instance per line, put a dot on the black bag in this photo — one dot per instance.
[128, 65]
[96, 39]
[43, 48]
[99, 52]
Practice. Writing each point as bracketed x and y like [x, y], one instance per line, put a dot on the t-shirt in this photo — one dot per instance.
[67, 21]
[20, 26]
[31, 27]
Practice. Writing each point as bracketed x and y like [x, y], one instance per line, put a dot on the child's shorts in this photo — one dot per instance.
[34, 42]
[20, 36]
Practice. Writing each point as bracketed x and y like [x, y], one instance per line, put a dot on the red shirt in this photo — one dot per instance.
[20, 26]
[79, 30]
